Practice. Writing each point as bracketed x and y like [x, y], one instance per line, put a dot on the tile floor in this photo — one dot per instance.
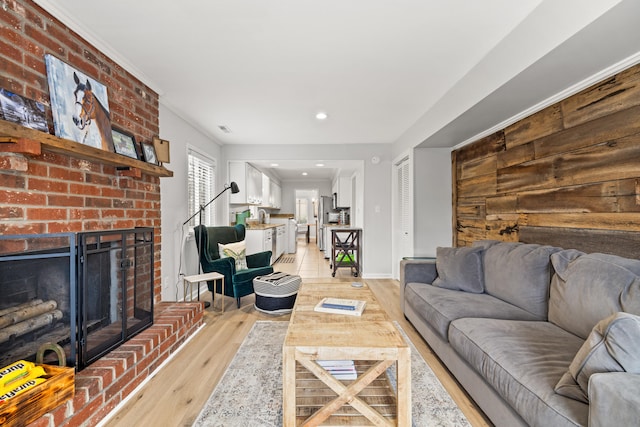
[308, 262]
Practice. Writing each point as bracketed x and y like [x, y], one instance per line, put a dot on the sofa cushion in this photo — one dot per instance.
[523, 361]
[485, 244]
[460, 269]
[612, 346]
[519, 274]
[439, 306]
[591, 287]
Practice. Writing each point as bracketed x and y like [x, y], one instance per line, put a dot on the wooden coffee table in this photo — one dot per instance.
[311, 395]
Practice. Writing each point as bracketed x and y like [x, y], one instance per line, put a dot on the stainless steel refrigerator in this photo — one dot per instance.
[325, 206]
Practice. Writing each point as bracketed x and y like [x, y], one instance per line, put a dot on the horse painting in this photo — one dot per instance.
[90, 110]
[79, 106]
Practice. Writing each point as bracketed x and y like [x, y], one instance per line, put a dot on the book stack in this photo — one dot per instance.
[340, 369]
[341, 306]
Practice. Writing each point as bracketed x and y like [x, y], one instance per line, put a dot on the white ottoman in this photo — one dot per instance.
[276, 292]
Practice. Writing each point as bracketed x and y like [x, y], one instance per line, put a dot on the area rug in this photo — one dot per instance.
[249, 393]
[287, 259]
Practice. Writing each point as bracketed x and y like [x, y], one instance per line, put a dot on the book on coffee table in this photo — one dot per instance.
[340, 306]
[340, 369]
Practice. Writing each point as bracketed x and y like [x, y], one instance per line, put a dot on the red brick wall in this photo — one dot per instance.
[52, 192]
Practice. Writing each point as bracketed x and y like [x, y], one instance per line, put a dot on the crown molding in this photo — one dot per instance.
[63, 16]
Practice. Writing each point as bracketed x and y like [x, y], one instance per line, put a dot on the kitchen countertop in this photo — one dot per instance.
[262, 226]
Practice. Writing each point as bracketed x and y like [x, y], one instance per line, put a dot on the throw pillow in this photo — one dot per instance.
[237, 251]
[460, 269]
[612, 346]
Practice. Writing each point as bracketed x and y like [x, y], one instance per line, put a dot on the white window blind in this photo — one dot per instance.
[403, 196]
[202, 184]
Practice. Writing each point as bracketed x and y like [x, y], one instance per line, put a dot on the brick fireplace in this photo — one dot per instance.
[56, 191]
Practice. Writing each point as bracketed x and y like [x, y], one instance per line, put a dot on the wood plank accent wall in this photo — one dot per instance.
[567, 175]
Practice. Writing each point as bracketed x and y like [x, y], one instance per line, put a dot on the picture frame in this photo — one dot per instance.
[79, 105]
[162, 150]
[124, 143]
[149, 153]
[23, 111]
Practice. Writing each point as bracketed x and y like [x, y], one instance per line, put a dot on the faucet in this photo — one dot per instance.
[262, 216]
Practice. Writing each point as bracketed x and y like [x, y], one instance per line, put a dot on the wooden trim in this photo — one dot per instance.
[9, 130]
[454, 198]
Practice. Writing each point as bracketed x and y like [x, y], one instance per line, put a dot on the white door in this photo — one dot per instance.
[403, 216]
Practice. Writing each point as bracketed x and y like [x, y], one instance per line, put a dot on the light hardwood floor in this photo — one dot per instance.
[177, 393]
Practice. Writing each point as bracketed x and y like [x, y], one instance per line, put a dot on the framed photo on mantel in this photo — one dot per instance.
[124, 143]
[162, 149]
[149, 153]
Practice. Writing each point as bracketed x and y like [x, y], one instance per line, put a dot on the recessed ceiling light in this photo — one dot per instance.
[321, 115]
[304, 174]
[319, 165]
[274, 165]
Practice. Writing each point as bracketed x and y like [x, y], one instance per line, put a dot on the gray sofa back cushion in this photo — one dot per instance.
[520, 274]
[460, 269]
[589, 287]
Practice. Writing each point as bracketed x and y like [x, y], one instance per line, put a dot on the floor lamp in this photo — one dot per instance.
[234, 189]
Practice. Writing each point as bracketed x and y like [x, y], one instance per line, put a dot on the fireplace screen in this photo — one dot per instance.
[88, 293]
[37, 295]
[115, 289]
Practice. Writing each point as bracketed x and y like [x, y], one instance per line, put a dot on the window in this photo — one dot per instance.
[202, 182]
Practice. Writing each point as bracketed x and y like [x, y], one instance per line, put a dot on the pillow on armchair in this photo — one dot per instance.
[237, 251]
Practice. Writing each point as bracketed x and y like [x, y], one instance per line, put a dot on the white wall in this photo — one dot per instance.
[174, 201]
[432, 200]
[373, 213]
[289, 188]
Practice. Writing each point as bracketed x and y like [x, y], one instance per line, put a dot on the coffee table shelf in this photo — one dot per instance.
[311, 395]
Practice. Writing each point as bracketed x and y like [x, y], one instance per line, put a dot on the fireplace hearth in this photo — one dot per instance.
[87, 292]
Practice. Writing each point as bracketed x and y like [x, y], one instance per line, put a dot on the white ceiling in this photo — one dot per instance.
[313, 170]
[385, 71]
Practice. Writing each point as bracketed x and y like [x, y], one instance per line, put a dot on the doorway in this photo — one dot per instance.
[307, 211]
[402, 243]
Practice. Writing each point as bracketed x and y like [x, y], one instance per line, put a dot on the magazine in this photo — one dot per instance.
[340, 369]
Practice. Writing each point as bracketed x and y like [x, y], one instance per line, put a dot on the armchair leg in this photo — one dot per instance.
[238, 299]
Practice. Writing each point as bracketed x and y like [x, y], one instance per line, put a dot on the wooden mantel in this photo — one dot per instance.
[29, 139]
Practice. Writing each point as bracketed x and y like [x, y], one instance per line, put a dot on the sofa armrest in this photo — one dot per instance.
[260, 259]
[614, 399]
[416, 270]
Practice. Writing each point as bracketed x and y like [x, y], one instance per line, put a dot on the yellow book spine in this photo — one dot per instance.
[21, 388]
[15, 370]
[36, 372]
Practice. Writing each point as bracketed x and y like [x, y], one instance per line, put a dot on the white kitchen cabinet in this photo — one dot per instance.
[275, 195]
[249, 180]
[259, 240]
[266, 191]
[342, 186]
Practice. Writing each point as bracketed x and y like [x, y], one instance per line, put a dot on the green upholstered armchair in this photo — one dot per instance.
[237, 283]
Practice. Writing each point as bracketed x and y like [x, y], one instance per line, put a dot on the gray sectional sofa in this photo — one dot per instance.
[536, 335]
